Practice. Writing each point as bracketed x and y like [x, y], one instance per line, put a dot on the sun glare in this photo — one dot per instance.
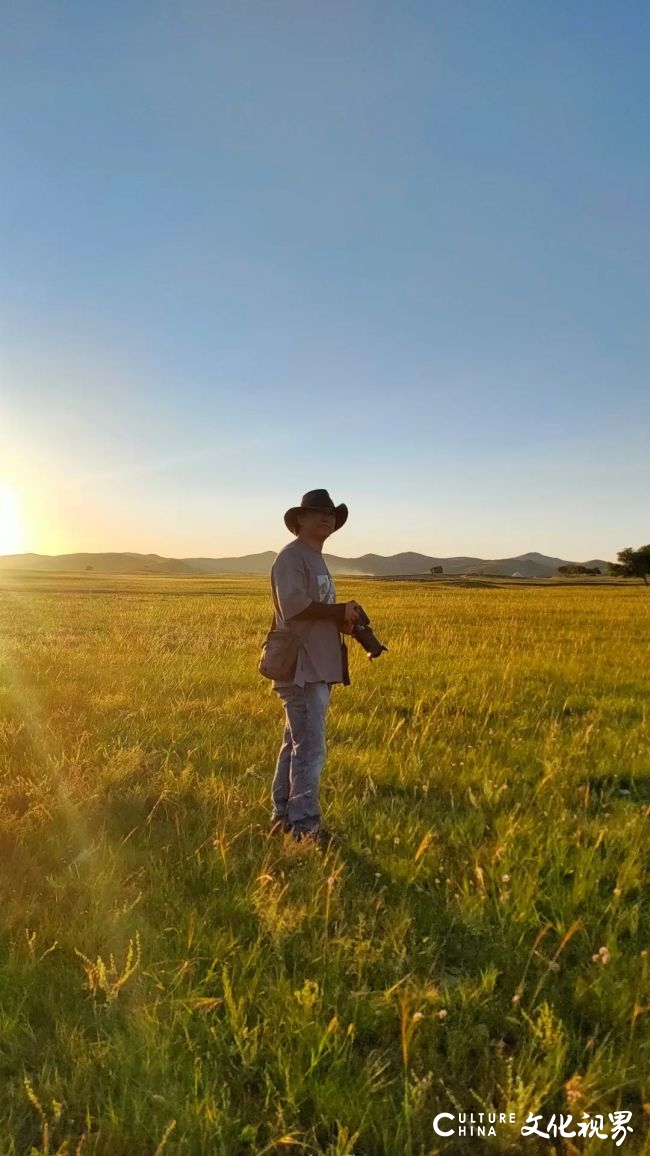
[12, 527]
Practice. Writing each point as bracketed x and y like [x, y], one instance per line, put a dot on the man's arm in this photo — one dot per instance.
[289, 581]
[332, 610]
[344, 614]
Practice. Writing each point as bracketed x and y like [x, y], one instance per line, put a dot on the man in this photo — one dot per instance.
[304, 598]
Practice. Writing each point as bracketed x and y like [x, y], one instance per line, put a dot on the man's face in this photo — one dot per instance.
[318, 523]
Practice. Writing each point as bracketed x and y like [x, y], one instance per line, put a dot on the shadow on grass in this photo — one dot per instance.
[607, 789]
[596, 792]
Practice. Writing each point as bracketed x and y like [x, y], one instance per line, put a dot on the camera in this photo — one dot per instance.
[362, 631]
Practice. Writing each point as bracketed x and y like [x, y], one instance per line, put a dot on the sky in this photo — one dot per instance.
[396, 251]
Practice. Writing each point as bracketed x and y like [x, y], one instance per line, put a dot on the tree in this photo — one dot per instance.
[436, 569]
[632, 563]
[90, 567]
[573, 568]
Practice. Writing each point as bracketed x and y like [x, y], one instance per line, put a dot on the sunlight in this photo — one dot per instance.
[12, 526]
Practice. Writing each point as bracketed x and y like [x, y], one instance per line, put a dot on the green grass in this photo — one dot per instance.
[172, 981]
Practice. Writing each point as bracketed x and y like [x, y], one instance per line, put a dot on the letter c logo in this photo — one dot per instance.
[441, 1116]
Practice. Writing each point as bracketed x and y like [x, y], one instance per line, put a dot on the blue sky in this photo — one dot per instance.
[399, 251]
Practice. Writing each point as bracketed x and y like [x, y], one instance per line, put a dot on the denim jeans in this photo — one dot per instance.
[296, 783]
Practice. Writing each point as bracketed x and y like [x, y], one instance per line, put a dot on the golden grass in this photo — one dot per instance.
[173, 980]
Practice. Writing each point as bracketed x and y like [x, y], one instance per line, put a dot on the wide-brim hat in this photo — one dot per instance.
[316, 500]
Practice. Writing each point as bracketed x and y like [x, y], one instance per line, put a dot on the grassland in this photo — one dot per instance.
[172, 980]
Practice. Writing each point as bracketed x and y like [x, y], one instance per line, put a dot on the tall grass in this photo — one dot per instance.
[172, 980]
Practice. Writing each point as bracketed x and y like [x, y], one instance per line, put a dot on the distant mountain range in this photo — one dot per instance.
[531, 565]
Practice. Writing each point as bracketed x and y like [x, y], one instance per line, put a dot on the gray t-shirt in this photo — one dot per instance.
[299, 576]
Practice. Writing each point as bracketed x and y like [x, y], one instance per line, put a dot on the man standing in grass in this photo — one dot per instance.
[304, 597]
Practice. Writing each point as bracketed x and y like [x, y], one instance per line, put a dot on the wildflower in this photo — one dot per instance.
[418, 1016]
[505, 878]
[617, 892]
[442, 1014]
[601, 956]
[309, 994]
[573, 1089]
[553, 966]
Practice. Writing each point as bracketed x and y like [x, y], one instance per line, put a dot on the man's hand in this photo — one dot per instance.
[351, 616]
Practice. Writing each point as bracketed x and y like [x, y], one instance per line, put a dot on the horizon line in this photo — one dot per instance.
[187, 557]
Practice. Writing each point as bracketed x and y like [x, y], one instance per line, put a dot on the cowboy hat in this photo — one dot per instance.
[316, 500]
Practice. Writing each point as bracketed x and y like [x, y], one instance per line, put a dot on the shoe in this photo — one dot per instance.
[280, 826]
[320, 837]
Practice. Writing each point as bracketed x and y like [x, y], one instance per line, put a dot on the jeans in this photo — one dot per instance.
[296, 781]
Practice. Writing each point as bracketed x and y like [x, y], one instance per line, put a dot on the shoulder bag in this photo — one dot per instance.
[279, 657]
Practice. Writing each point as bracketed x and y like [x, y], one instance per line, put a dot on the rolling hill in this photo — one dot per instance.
[530, 565]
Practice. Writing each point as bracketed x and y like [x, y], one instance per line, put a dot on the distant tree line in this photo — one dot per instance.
[573, 568]
[632, 563]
